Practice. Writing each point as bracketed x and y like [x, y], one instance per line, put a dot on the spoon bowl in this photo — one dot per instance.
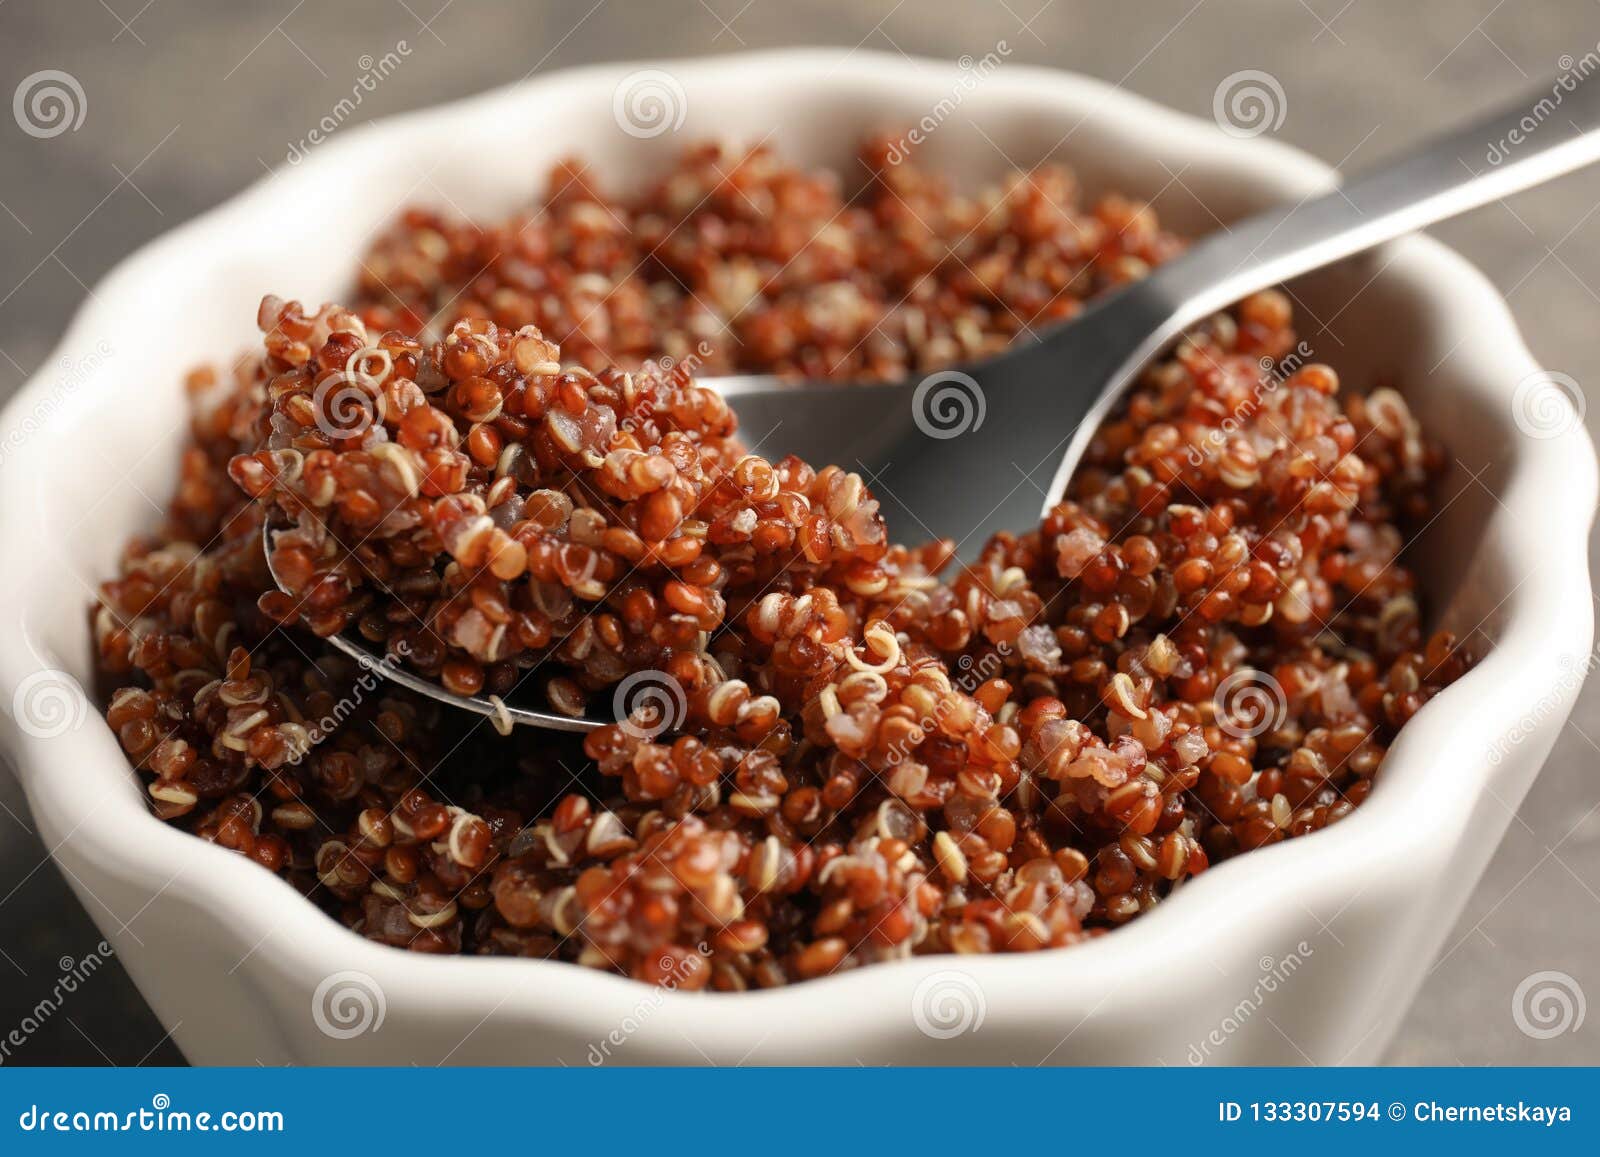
[392, 667]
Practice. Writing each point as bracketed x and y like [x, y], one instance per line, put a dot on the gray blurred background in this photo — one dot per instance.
[187, 102]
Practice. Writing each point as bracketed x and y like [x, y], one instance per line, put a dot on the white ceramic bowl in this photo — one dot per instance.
[1307, 951]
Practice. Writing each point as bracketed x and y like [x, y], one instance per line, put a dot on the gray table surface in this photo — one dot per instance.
[187, 101]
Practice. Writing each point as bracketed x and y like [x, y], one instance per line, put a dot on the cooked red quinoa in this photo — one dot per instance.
[743, 263]
[881, 752]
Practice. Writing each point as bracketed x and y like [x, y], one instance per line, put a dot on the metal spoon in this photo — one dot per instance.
[969, 450]
[1041, 402]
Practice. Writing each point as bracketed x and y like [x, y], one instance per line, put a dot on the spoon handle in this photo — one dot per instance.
[1546, 133]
